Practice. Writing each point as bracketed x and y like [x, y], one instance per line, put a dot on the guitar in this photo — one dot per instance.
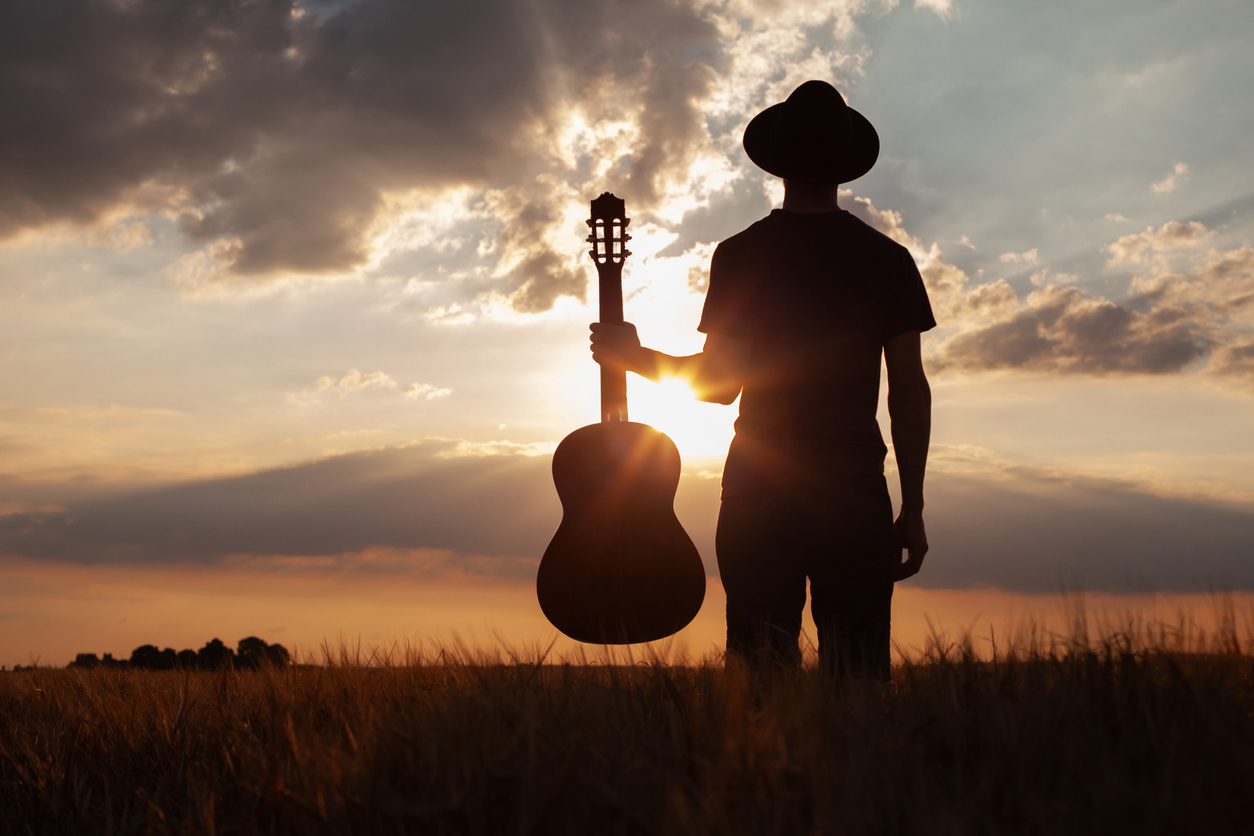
[620, 568]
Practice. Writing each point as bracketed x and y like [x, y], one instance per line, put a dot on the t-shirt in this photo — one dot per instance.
[817, 296]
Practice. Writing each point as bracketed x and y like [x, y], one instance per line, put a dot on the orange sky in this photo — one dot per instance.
[67, 610]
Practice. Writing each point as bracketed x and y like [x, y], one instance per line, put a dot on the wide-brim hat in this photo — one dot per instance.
[813, 137]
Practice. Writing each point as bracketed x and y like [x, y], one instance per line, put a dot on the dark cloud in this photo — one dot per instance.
[407, 498]
[255, 121]
[1237, 361]
[1171, 321]
[1063, 330]
[280, 131]
[540, 272]
[1033, 532]
[672, 126]
[496, 512]
[726, 213]
[1011, 528]
[1166, 326]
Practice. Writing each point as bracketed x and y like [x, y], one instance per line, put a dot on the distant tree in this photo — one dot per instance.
[251, 652]
[141, 655]
[279, 657]
[215, 655]
[254, 652]
[150, 658]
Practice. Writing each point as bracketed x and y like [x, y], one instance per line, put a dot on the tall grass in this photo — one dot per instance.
[1138, 732]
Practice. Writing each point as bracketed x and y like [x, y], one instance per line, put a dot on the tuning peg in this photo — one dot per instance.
[626, 222]
[590, 222]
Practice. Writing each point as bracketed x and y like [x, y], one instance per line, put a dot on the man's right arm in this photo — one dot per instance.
[910, 412]
[717, 373]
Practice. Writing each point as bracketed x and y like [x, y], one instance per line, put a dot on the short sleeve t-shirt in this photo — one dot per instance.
[816, 296]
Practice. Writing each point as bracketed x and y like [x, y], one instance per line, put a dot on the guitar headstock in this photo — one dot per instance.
[609, 230]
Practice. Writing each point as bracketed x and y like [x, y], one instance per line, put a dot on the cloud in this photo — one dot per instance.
[278, 137]
[423, 496]
[1173, 235]
[443, 506]
[1029, 257]
[1237, 361]
[1047, 276]
[1115, 216]
[1179, 174]
[1028, 530]
[942, 7]
[1063, 330]
[1199, 317]
[354, 382]
[537, 267]
[257, 123]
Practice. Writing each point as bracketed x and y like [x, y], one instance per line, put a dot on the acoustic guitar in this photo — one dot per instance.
[620, 568]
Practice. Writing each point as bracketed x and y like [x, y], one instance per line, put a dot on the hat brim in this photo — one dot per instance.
[853, 159]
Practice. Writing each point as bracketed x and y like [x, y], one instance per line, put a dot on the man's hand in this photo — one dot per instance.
[617, 346]
[912, 538]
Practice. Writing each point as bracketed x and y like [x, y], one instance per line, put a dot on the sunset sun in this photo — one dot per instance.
[698, 429]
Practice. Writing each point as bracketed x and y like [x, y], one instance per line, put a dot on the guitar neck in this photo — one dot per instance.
[609, 250]
[613, 381]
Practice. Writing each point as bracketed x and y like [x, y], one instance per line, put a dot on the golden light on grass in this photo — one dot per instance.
[1117, 734]
[57, 610]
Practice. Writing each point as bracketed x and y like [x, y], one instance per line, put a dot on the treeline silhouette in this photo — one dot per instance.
[251, 652]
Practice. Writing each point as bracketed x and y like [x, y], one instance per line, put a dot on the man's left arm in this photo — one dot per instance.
[910, 413]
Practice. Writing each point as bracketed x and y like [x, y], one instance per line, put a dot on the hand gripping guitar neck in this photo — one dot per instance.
[620, 568]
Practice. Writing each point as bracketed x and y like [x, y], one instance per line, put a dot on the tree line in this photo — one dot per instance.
[251, 652]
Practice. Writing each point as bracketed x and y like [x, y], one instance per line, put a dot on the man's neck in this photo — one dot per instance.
[809, 198]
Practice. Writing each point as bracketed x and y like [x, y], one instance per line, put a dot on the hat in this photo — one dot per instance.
[813, 137]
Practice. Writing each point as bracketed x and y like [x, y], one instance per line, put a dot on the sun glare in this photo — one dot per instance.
[697, 428]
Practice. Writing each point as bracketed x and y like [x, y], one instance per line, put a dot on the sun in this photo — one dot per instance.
[698, 429]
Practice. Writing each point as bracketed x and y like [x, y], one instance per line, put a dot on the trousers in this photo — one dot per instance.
[839, 535]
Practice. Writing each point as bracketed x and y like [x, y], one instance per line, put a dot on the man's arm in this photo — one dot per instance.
[910, 412]
[717, 372]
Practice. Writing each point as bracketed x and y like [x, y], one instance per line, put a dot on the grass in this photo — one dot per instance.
[1129, 734]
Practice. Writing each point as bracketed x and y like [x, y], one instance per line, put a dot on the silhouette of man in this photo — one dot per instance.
[799, 309]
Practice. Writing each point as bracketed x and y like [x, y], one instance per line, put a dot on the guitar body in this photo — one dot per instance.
[620, 569]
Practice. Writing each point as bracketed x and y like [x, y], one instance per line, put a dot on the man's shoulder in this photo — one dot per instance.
[780, 228]
[751, 236]
[871, 237]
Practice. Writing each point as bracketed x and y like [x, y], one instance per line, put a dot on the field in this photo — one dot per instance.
[1130, 734]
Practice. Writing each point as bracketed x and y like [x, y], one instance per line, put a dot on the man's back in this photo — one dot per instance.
[816, 296]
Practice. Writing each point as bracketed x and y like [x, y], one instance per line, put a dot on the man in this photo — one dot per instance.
[800, 308]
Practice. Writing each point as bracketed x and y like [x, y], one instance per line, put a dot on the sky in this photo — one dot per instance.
[294, 297]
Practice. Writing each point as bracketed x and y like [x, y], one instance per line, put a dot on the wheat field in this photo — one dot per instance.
[1128, 734]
